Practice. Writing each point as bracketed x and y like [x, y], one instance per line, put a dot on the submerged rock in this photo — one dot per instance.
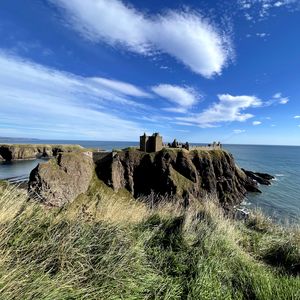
[61, 179]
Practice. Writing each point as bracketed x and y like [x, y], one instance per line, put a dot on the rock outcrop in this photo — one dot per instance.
[61, 179]
[179, 173]
[261, 178]
[21, 152]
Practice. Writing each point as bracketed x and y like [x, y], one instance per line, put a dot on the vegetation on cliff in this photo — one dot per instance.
[107, 245]
[9, 152]
[184, 174]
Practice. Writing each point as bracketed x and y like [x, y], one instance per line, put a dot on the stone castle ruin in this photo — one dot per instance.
[154, 143]
[151, 143]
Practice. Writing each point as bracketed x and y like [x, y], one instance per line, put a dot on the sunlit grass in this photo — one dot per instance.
[106, 245]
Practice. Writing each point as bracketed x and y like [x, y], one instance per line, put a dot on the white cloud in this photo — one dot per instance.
[280, 98]
[183, 123]
[238, 131]
[183, 97]
[228, 109]
[180, 110]
[278, 4]
[186, 36]
[262, 34]
[37, 101]
[296, 117]
[284, 100]
[277, 95]
[256, 10]
[255, 123]
[277, 99]
[122, 87]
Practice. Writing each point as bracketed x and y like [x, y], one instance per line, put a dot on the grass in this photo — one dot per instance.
[110, 246]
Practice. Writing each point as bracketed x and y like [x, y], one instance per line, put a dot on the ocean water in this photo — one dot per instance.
[281, 200]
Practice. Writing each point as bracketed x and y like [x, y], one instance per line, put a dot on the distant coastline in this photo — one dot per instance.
[20, 140]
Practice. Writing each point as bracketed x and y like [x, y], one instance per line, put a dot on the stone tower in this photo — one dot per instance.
[151, 143]
[143, 142]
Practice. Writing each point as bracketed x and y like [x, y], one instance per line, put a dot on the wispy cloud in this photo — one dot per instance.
[122, 87]
[255, 123]
[182, 97]
[42, 102]
[228, 109]
[280, 99]
[256, 10]
[186, 36]
[296, 117]
[276, 99]
[239, 131]
[262, 34]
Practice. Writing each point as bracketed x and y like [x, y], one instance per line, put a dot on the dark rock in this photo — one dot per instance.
[261, 178]
[21, 152]
[61, 179]
[180, 173]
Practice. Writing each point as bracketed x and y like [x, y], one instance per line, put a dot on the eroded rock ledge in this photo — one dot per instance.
[180, 173]
[22, 152]
[62, 179]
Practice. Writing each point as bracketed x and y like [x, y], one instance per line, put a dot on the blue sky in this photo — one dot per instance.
[110, 70]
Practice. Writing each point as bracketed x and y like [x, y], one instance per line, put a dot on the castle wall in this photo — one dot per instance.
[158, 144]
[144, 141]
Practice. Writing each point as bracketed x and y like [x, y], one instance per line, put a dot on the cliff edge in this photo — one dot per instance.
[181, 174]
[21, 152]
[61, 179]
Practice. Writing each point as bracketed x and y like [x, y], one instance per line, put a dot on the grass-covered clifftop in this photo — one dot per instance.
[107, 245]
[184, 174]
[9, 152]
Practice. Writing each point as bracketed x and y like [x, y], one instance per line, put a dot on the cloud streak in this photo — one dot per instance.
[260, 9]
[182, 97]
[37, 101]
[228, 109]
[255, 123]
[184, 35]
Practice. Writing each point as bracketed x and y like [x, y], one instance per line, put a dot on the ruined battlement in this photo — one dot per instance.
[154, 143]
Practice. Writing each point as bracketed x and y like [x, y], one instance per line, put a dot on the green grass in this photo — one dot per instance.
[110, 246]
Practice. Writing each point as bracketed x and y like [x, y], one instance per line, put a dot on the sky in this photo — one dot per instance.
[198, 71]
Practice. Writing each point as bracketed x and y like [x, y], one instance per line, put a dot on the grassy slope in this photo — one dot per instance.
[109, 246]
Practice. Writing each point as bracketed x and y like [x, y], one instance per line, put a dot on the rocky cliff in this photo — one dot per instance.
[19, 152]
[61, 179]
[179, 173]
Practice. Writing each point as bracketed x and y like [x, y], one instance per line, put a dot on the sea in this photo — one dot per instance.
[280, 201]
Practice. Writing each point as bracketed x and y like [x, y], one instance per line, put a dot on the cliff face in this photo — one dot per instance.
[61, 179]
[177, 173]
[16, 152]
[180, 173]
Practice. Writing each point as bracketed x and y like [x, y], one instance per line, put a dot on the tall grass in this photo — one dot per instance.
[110, 246]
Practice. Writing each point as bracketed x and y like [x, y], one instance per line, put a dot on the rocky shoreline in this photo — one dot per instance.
[12, 152]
